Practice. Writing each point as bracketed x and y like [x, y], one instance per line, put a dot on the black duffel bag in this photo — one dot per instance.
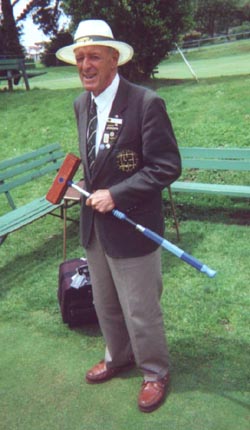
[75, 293]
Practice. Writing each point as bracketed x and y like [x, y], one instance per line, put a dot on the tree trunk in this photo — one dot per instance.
[10, 43]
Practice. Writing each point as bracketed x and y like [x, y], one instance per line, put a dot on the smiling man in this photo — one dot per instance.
[129, 154]
[97, 66]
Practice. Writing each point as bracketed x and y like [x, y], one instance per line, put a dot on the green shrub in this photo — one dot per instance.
[241, 31]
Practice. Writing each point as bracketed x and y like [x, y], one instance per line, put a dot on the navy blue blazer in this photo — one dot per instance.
[138, 157]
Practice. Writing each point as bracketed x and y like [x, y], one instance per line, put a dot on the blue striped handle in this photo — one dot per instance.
[177, 251]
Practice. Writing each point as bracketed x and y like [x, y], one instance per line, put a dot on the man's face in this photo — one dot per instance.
[97, 67]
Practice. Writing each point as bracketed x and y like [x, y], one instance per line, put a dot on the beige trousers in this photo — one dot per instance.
[127, 299]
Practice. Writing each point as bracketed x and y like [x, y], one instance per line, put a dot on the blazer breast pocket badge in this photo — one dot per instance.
[111, 132]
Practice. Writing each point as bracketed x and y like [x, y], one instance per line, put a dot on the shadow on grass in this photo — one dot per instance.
[157, 83]
[213, 365]
[40, 260]
[217, 213]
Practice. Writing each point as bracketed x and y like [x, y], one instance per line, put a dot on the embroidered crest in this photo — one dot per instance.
[127, 160]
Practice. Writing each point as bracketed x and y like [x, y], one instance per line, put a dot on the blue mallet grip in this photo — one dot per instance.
[177, 251]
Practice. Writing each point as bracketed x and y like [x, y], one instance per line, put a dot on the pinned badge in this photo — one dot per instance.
[115, 120]
[106, 138]
[112, 128]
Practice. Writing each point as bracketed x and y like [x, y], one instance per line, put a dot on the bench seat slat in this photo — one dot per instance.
[25, 215]
[209, 164]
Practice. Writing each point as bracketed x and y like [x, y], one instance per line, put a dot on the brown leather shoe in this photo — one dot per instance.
[153, 393]
[101, 373]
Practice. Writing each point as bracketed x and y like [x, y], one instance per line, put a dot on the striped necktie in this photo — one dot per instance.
[91, 134]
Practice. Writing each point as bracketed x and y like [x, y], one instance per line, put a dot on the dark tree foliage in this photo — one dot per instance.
[215, 16]
[151, 27]
[62, 39]
[243, 13]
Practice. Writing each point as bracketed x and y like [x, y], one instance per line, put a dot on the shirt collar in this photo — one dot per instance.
[107, 95]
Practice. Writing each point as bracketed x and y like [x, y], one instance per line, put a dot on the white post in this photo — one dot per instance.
[186, 62]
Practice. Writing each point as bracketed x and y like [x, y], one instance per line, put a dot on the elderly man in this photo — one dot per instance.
[129, 154]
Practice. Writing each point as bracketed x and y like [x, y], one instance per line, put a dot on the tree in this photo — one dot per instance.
[213, 16]
[151, 27]
[45, 13]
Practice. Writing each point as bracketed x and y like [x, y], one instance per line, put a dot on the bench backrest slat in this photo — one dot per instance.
[12, 64]
[5, 164]
[4, 187]
[7, 64]
[30, 165]
[24, 168]
[216, 159]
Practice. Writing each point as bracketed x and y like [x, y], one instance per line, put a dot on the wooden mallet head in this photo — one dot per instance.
[62, 179]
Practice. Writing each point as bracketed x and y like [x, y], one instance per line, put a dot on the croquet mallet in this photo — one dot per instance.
[64, 179]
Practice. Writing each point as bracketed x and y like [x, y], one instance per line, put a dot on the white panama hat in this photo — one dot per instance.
[95, 32]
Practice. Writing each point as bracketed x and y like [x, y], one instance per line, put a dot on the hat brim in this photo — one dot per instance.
[67, 53]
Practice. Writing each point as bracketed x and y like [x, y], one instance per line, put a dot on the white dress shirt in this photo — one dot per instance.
[103, 104]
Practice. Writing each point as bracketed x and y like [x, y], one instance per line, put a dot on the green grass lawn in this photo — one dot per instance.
[43, 362]
[226, 59]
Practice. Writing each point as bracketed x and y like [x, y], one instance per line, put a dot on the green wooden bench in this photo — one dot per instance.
[13, 69]
[214, 159]
[199, 159]
[21, 170]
